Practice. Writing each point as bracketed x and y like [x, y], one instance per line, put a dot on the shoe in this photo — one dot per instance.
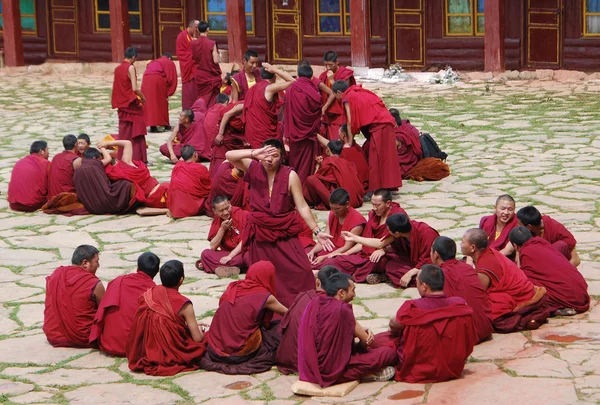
[367, 197]
[168, 128]
[227, 271]
[564, 312]
[199, 265]
[376, 278]
[153, 129]
[385, 374]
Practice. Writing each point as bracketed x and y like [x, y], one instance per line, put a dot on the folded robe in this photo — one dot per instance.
[65, 204]
[28, 187]
[188, 189]
[488, 224]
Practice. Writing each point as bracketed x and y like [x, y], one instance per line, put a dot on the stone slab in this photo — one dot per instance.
[110, 394]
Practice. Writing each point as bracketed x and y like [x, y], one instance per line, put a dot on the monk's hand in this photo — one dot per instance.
[323, 111]
[311, 256]
[377, 255]
[325, 240]
[268, 67]
[225, 260]
[219, 139]
[349, 236]
[226, 225]
[406, 279]
[263, 153]
[173, 158]
[370, 337]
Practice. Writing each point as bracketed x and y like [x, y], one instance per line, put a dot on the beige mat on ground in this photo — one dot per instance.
[314, 390]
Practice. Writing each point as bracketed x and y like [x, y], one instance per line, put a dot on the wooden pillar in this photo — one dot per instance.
[119, 29]
[237, 39]
[360, 29]
[13, 39]
[495, 60]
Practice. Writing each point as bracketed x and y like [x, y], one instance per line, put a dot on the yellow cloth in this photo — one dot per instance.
[251, 82]
[497, 234]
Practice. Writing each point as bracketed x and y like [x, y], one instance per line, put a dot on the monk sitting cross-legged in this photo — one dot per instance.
[165, 338]
[72, 295]
[28, 187]
[433, 335]
[187, 132]
[189, 186]
[60, 179]
[120, 302]
[516, 303]
[545, 266]
[225, 258]
[229, 182]
[499, 225]
[242, 339]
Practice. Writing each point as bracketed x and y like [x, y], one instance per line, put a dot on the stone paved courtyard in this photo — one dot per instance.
[539, 141]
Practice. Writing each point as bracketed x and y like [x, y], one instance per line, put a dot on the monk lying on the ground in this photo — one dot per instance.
[28, 187]
[189, 186]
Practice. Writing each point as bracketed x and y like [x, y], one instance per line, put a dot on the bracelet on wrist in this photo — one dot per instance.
[318, 231]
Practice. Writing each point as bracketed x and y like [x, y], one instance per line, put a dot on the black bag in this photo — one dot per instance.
[431, 148]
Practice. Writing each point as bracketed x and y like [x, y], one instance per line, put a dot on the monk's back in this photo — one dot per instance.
[96, 192]
[60, 178]
[122, 92]
[260, 115]
[29, 181]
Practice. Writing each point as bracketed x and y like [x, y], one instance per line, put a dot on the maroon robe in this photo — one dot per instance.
[228, 184]
[352, 220]
[144, 183]
[60, 178]
[488, 224]
[301, 124]
[260, 115]
[199, 108]
[158, 84]
[28, 187]
[356, 155]
[548, 268]
[191, 135]
[233, 139]
[188, 189]
[335, 116]
[410, 151]
[558, 236]
[241, 82]
[208, 73]
[211, 258]
[183, 46]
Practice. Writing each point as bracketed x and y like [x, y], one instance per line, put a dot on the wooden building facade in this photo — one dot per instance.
[417, 34]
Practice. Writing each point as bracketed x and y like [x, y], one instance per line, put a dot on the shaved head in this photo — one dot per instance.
[505, 197]
[477, 237]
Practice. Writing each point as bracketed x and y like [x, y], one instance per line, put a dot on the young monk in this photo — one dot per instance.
[247, 77]
[208, 72]
[277, 213]
[225, 258]
[355, 154]
[229, 182]
[499, 225]
[72, 295]
[158, 84]
[334, 172]
[129, 101]
[83, 143]
[186, 133]
[551, 230]
[242, 339]
[408, 143]
[183, 46]
[515, 302]
[461, 281]
[165, 338]
[433, 335]
[366, 112]
[405, 236]
[326, 350]
[28, 187]
[342, 217]
[261, 105]
[230, 134]
[120, 302]
[60, 177]
[546, 267]
[189, 186]
[203, 145]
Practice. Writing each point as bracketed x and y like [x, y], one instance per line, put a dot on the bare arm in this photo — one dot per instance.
[127, 149]
[357, 230]
[354, 249]
[106, 157]
[396, 327]
[240, 158]
[375, 243]
[575, 260]
[216, 241]
[235, 111]
[77, 163]
[322, 140]
[330, 96]
[276, 87]
[349, 121]
[187, 312]
[215, 54]
[98, 293]
[274, 305]
[235, 92]
[365, 336]
[485, 280]
[236, 250]
[134, 85]
[172, 137]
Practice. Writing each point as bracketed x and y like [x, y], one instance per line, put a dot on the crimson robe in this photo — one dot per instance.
[116, 312]
[546, 267]
[60, 178]
[370, 115]
[335, 116]
[188, 189]
[158, 84]
[410, 151]
[260, 115]
[210, 258]
[191, 135]
[199, 108]
[69, 307]
[272, 231]
[352, 220]
[488, 224]
[335, 172]
[159, 342]
[233, 138]
[461, 281]
[143, 180]
[183, 49]
[208, 73]
[558, 236]
[28, 187]
[241, 82]
[228, 184]
[356, 155]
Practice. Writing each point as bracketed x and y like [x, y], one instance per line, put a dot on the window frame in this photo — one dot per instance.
[585, 14]
[474, 15]
[207, 15]
[34, 16]
[344, 14]
[97, 13]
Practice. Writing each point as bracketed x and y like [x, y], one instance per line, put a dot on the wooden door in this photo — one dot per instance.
[286, 36]
[64, 40]
[544, 33]
[408, 33]
[169, 23]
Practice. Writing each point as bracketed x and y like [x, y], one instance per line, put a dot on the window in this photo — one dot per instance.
[591, 17]
[103, 15]
[465, 18]
[27, 17]
[333, 17]
[217, 18]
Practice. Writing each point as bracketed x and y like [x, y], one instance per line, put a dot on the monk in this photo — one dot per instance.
[546, 267]
[342, 217]
[433, 335]
[165, 338]
[247, 77]
[499, 225]
[461, 281]
[183, 49]
[83, 143]
[158, 84]
[120, 302]
[361, 261]
[366, 112]
[242, 339]
[28, 187]
[229, 182]
[408, 143]
[334, 115]
[261, 106]
[355, 154]
[94, 189]
[302, 121]
[189, 186]
[129, 101]
[60, 178]
[516, 303]
[225, 258]
[230, 135]
[208, 72]
[188, 132]
[277, 213]
[407, 248]
[199, 108]
[326, 350]
[551, 230]
[73, 293]
[334, 172]
[149, 191]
